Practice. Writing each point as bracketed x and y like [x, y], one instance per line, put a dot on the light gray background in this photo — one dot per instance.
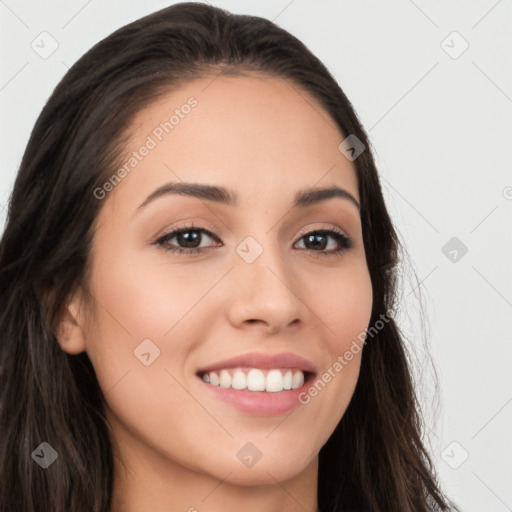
[441, 132]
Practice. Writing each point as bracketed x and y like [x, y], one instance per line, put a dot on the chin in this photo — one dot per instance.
[264, 474]
[277, 465]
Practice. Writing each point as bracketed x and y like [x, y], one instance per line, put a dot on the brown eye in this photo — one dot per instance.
[187, 239]
[318, 241]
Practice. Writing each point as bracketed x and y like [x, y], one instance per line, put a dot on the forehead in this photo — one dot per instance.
[250, 133]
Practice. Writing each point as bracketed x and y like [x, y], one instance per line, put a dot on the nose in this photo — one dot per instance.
[266, 295]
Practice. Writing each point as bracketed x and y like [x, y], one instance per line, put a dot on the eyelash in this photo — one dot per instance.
[343, 240]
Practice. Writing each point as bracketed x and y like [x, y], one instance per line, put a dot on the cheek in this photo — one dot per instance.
[154, 307]
[142, 299]
[147, 308]
[344, 306]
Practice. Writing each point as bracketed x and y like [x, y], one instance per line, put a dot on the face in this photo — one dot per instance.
[281, 287]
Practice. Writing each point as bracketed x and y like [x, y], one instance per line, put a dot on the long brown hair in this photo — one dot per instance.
[375, 459]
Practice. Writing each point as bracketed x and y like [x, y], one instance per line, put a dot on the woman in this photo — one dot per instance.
[198, 286]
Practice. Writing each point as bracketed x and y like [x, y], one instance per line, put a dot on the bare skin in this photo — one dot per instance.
[175, 442]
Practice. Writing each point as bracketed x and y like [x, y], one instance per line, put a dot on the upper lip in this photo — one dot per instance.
[263, 361]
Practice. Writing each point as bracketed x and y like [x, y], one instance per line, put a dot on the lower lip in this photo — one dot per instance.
[261, 403]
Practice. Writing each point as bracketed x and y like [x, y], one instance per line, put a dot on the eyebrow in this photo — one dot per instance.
[221, 195]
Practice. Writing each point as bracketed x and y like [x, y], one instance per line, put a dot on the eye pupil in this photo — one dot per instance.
[189, 238]
[314, 237]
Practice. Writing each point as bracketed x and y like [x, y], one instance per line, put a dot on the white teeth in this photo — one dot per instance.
[225, 379]
[297, 380]
[214, 379]
[274, 381]
[239, 380]
[256, 380]
[287, 380]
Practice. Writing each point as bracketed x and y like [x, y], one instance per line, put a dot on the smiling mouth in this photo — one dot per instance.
[256, 379]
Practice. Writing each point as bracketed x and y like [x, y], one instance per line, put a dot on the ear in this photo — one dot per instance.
[69, 325]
